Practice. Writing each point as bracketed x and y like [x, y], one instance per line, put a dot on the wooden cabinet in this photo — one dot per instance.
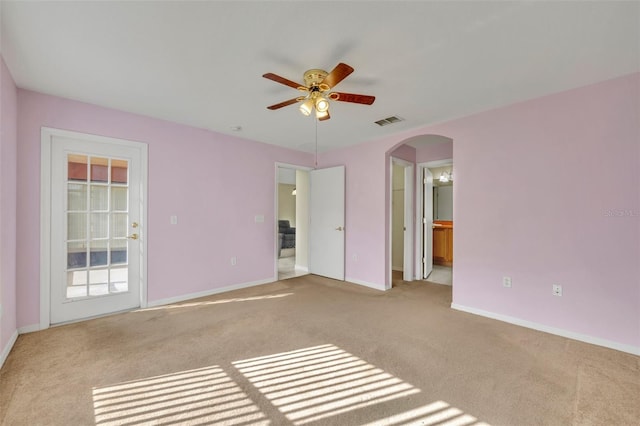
[443, 242]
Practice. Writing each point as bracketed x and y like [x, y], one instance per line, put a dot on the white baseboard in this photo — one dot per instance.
[7, 348]
[29, 328]
[301, 268]
[205, 293]
[366, 284]
[397, 268]
[635, 350]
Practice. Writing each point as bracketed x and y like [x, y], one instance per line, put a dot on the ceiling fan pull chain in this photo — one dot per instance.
[316, 157]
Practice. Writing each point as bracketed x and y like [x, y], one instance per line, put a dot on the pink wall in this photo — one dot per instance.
[405, 152]
[214, 183]
[545, 215]
[532, 201]
[8, 155]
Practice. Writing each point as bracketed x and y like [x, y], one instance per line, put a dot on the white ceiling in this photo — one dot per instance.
[200, 63]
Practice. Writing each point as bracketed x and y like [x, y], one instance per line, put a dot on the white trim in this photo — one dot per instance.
[144, 218]
[635, 350]
[7, 348]
[45, 228]
[46, 134]
[29, 328]
[301, 268]
[205, 293]
[409, 219]
[379, 287]
[418, 245]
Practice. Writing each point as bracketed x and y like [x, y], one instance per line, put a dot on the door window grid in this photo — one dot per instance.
[97, 225]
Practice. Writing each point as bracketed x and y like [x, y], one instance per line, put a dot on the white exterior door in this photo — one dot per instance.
[96, 226]
[326, 231]
[427, 222]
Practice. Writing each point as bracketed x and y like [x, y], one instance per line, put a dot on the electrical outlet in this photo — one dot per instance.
[506, 282]
[234, 260]
[557, 290]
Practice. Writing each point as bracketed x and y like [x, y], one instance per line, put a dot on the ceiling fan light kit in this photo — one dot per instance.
[306, 107]
[318, 84]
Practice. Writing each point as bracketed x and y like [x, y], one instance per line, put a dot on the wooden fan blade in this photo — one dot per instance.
[352, 97]
[282, 80]
[283, 104]
[339, 73]
[325, 117]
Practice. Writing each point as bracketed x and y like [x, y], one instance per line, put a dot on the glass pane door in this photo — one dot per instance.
[97, 217]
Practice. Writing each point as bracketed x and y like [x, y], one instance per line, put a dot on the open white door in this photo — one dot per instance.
[407, 269]
[326, 230]
[427, 222]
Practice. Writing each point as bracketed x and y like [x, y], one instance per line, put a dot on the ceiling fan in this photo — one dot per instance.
[317, 88]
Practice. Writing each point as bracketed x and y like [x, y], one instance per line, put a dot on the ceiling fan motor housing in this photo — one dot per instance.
[314, 77]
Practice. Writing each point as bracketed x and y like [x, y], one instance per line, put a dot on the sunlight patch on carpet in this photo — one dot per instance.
[214, 302]
[322, 381]
[205, 395]
[437, 413]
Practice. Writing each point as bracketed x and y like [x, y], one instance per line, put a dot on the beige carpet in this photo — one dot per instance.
[314, 351]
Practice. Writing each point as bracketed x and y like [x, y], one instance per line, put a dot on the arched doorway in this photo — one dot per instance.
[423, 156]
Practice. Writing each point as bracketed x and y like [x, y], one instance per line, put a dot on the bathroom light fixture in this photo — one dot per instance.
[446, 177]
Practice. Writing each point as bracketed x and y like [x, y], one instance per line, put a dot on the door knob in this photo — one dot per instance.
[339, 228]
[134, 225]
[133, 236]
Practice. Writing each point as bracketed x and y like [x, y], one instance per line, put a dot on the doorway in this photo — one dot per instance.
[292, 216]
[319, 222]
[437, 221]
[93, 226]
[401, 254]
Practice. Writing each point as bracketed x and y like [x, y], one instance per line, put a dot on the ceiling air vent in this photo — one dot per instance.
[389, 120]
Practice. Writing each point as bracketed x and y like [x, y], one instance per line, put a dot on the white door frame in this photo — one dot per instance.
[420, 201]
[46, 138]
[409, 214]
[275, 213]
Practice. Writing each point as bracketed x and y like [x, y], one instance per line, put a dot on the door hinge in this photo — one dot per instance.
[424, 181]
[424, 220]
[424, 260]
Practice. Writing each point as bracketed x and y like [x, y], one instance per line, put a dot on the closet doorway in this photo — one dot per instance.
[401, 253]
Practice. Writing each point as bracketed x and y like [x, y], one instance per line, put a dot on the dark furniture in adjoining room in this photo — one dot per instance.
[286, 235]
